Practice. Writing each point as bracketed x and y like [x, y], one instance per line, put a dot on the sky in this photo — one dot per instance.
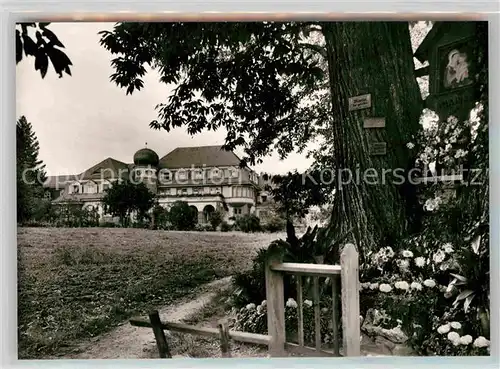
[84, 119]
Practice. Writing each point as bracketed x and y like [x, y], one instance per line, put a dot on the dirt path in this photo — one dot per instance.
[128, 342]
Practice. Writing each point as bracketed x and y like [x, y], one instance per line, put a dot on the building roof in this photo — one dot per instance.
[146, 157]
[209, 156]
[58, 182]
[107, 169]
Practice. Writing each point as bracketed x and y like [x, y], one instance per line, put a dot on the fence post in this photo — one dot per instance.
[350, 300]
[224, 339]
[275, 302]
[161, 341]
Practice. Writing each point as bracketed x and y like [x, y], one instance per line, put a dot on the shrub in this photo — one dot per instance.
[275, 224]
[216, 219]
[182, 216]
[203, 228]
[248, 223]
[253, 318]
[250, 286]
[108, 225]
[160, 215]
[432, 290]
[225, 227]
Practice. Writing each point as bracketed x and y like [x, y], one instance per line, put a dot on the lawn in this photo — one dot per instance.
[74, 284]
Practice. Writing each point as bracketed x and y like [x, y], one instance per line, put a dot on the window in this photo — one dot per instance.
[218, 191]
[237, 211]
[237, 191]
[184, 191]
[264, 198]
[235, 173]
[165, 176]
[216, 173]
[181, 175]
[197, 174]
[76, 189]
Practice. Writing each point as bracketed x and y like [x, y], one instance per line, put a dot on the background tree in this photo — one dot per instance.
[160, 217]
[43, 47]
[182, 216]
[30, 172]
[260, 81]
[124, 198]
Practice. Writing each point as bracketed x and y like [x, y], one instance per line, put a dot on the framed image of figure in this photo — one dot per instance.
[457, 65]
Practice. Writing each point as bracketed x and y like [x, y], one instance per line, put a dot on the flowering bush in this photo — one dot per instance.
[253, 318]
[437, 294]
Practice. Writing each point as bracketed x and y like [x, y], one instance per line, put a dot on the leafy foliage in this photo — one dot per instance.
[250, 285]
[44, 47]
[225, 227]
[182, 216]
[30, 171]
[253, 318]
[275, 224]
[125, 197]
[248, 223]
[73, 215]
[243, 77]
[294, 193]
[160, 215]
[216, 219]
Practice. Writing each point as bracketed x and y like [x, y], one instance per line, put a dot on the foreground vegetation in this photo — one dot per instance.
[75, 284]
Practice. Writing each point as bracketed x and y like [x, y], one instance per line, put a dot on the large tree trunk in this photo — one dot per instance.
[375, 58]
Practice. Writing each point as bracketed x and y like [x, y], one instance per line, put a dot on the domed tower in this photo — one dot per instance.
[145, 167]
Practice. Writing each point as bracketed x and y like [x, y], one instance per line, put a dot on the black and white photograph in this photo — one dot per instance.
[202, 188]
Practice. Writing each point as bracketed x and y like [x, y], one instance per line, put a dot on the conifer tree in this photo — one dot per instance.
[30, 170]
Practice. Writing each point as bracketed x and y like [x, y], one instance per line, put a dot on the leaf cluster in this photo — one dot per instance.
[243, 77]
[44, 47]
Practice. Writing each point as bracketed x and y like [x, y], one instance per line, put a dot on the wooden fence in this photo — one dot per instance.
[347, 271]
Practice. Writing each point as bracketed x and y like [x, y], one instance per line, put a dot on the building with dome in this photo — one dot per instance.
[207, 178]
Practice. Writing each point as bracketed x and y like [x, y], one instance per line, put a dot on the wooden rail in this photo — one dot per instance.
[319, 270]
[258, 339]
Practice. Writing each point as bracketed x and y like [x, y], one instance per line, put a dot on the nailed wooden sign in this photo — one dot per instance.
[378, 148]
[360, 102]
[371, 122]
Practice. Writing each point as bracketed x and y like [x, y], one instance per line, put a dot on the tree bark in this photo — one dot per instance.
[375, 58]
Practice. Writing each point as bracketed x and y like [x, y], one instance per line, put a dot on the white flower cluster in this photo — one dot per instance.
[433, 204]
[400, 285]
[291, 303]
[383, 256]
[455, 338]
[420, 261]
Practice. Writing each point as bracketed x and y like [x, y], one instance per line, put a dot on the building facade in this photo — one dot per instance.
[207, 178]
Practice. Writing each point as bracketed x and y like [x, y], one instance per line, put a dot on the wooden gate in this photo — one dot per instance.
[349, 314]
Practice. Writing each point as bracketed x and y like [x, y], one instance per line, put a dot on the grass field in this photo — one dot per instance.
[74, 284]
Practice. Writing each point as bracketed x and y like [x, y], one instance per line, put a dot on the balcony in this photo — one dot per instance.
[240, 200]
